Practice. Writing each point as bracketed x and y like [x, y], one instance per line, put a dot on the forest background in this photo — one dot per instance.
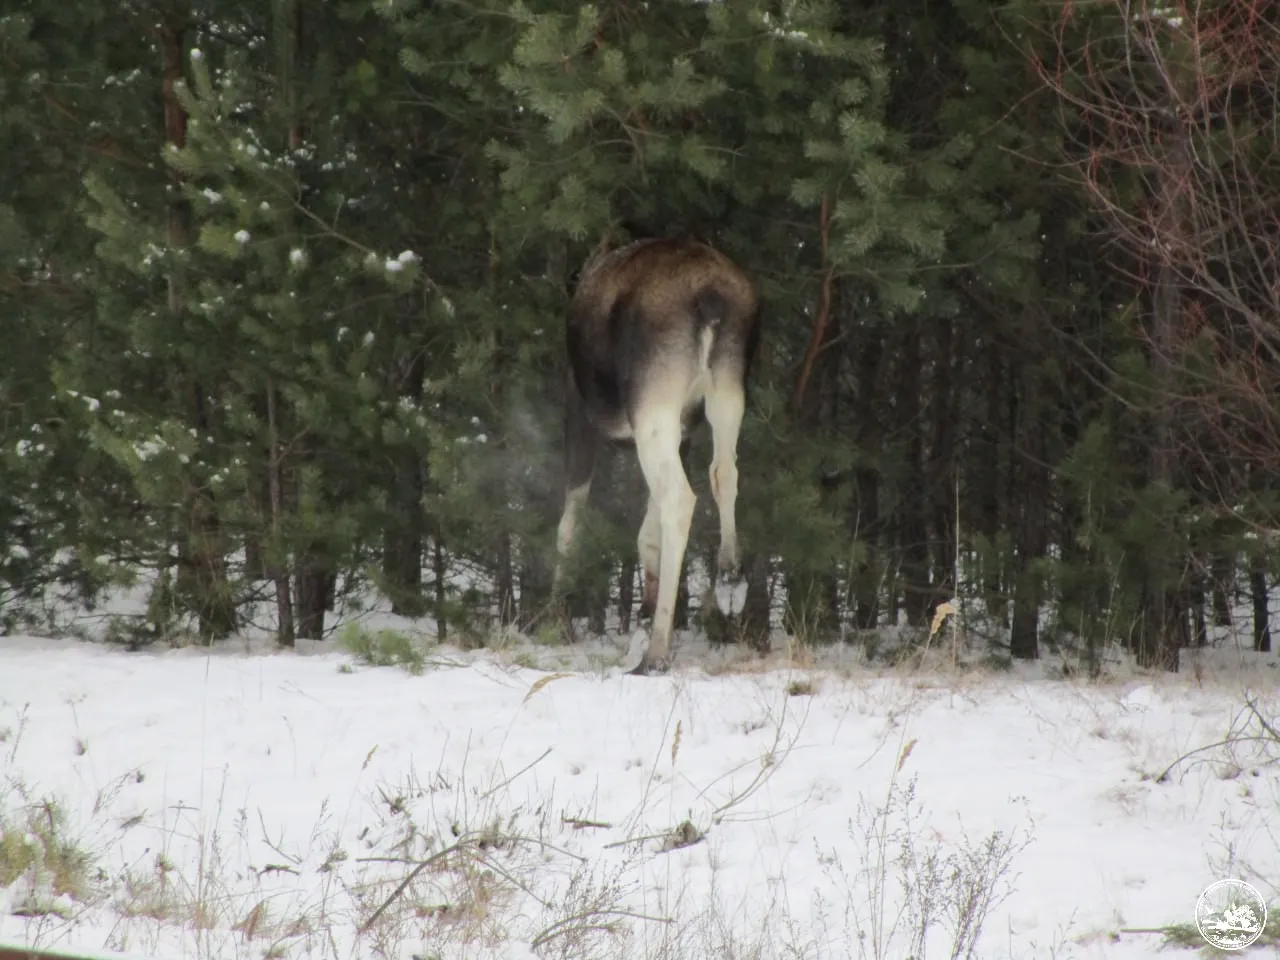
[282, 288]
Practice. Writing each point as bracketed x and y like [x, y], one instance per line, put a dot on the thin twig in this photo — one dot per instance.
[665, 835]
[1212, 746]
[578, 824]
[1265, 724]
[560, 926]
[519, 773]
[544, 845]
[412, 876]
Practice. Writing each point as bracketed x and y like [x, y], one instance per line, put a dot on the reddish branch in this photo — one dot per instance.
[1170, 112]
[824, 310]
[175, 118]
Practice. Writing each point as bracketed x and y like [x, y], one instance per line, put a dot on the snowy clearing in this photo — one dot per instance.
[262, 804]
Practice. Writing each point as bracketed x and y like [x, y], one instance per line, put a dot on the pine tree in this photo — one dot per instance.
[68, 98]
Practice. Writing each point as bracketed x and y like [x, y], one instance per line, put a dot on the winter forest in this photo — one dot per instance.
[283, 288]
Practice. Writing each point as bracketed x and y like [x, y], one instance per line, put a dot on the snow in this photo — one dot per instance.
[148, 449]
[262, 801]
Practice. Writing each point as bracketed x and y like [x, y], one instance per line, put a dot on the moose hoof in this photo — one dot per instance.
[645, 665]
[731, 593]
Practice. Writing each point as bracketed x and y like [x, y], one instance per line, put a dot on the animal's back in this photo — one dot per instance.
[661, 313]
[662, 273]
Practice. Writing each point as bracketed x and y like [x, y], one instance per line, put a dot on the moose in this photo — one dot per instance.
[660, 336]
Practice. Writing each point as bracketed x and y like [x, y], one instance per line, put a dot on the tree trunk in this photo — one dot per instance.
[1164, 621]
[869, 571]
[315, 587]
[830, 610]
[535, 581]
[406, 527]
[1031, 534]
[314, 577]
[312, 574]
[1199, 623]
[1258, 593]
[754, 625]
[940, 469]
[202, 570]
[988, 480]
[1221, 583]
[1024, 628]
[402, 540]
[912, 527]
[1164, 629]
[680, 613]
[504, 578]
[204, 551]
[440, 570]
[258, 494]
[278, 570]
[864, 515]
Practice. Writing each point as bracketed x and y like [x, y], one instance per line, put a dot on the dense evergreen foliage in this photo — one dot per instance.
[281, 286]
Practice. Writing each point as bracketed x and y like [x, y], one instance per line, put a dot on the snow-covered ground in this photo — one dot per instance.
[250, 803]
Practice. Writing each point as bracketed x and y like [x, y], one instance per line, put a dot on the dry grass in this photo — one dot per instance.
[49, 869]
[469, 862]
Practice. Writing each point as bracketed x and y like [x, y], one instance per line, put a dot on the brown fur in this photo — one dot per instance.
[659, 281]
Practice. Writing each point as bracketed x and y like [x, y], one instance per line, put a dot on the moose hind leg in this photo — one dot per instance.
[657, 436]
[581, 444]
[574, 499]
[649, 544]
[725, 403]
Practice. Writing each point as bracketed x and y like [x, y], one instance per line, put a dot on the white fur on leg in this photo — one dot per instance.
[636, 651]
[725, 404]
[649, 542]
[573, 502]
[657, 436]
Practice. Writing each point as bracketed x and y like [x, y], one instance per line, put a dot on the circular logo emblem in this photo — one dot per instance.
[1231, 914]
